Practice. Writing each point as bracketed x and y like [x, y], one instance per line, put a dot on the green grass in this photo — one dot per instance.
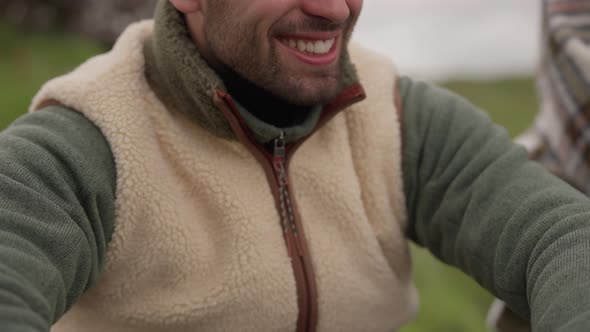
[511, 103]
[450, 301]
[28, 60]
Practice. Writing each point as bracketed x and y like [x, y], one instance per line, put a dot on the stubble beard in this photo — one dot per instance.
[245, 54]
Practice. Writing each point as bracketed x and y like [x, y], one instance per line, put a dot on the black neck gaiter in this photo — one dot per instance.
[262, 104]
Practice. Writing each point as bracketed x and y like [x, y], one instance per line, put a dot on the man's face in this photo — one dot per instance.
[292, 48]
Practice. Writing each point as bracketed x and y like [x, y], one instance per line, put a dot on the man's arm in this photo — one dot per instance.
[477, 203]
[57, 188]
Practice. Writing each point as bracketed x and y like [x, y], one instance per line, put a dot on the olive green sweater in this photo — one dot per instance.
[473, 199]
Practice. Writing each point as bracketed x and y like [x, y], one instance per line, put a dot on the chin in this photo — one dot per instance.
[308, 98]
[312, 92]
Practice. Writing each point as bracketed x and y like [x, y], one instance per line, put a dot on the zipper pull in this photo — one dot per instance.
[279, 159]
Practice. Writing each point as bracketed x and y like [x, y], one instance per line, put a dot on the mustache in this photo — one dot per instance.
[313, 24]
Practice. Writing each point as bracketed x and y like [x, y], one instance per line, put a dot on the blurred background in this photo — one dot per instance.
[484, 50]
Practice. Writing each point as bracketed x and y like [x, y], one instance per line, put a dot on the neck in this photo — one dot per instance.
[261, 103]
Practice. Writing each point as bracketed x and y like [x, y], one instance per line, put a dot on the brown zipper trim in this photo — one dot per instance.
[276, 168]
[306, 290]
[346, 98]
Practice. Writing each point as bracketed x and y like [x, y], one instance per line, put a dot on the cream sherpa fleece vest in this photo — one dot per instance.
[198, 244]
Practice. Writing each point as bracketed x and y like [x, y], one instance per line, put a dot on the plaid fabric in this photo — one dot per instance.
[560, 136]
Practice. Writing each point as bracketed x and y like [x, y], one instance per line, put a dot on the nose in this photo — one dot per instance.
[336, 11]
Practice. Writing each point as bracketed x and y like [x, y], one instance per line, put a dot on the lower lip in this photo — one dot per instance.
[319, 59]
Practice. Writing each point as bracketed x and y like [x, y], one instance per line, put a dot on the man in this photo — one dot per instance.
[237, 165]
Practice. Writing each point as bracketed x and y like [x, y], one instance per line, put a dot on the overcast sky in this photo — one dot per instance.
[439, 39]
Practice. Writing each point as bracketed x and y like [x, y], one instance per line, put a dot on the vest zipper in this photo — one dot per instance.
[275, 165]
[292, 239]
[286, 208]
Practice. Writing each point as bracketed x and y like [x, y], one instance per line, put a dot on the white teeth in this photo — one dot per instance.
[329, 44]
[301, 45]
[320, 47]
[314, 47]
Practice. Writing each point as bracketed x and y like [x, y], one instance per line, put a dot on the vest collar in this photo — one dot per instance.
[184, 82]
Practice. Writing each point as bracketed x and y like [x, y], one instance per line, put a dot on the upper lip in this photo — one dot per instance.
[319, 35]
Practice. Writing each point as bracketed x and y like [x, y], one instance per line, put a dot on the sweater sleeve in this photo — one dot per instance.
[476, 202]
[57, 188]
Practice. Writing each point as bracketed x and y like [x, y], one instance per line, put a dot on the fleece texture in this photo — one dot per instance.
[197, 243]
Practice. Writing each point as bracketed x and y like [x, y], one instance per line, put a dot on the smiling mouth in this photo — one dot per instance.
[311, 47]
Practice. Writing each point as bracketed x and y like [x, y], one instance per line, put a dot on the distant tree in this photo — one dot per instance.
[99, 19]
